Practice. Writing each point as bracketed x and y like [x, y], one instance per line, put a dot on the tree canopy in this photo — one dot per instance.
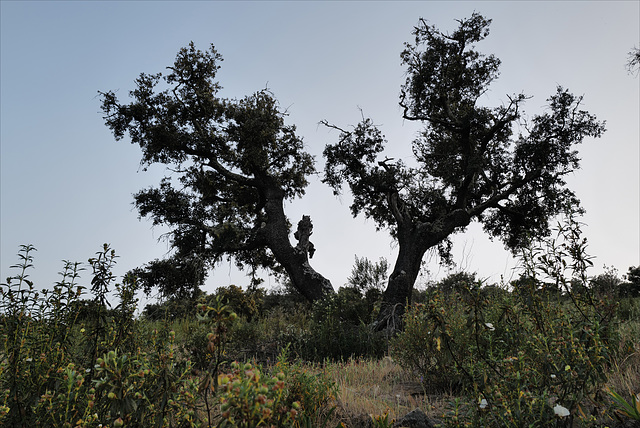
[470, 162]
[231, 162]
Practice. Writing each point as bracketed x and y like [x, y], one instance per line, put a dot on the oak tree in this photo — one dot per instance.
[470, 162]
[232, 163]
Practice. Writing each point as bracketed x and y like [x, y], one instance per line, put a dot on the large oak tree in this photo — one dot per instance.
[471, 162]
[232, 165]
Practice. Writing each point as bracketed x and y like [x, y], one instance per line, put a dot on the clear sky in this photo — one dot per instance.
[66, 184]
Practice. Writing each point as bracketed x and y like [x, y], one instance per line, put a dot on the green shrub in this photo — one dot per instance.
[35, 334]
[531, 357]
[339, 329]
[245, 303]
[286, 397]
[48, 373]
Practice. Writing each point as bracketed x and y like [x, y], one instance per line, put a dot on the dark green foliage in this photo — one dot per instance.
[172, 309]
[607, 283]
[631, 288]
[471, 162]
[246, 304]
[457, 282]
[233, 164]
[366, 275]
[340, 328]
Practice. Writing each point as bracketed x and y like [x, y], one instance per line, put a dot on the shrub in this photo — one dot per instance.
[49, 375]
[286, 397]
[247, 304]
[340, 328]
[526, 358]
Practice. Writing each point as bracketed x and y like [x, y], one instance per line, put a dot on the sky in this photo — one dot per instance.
[66, 185]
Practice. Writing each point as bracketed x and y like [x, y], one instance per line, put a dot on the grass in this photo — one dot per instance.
[624, 378]
[369, 388]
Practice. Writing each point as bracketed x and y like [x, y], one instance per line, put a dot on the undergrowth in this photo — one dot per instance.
[542, 351]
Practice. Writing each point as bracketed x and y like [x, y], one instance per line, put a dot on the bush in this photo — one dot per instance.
[340, 328]
[58, 371]
[526, 358]
[105, 369]
[284, 398]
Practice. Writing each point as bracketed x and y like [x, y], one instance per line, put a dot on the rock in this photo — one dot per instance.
[414, 419]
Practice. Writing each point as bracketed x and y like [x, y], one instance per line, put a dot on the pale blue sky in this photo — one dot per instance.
[66, 184]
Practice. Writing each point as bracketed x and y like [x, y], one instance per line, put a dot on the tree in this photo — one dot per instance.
[232, 165]
[631, 288]
[607, 283]
[471, 162]
[458, 282]
[366, 275]
[633, 62]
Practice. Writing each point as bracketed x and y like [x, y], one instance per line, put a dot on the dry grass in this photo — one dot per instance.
[625, 380]
[370, 388]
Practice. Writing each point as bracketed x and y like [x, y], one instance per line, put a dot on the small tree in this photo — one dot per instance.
[633, 63]
[366, 275]
[607, 283]
[472, 163]
[233, 163]
[631, 288]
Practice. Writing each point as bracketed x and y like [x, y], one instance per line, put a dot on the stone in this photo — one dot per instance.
[414, 419]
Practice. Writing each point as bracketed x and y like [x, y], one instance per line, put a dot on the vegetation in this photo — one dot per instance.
[470, 162]
[234, 164]
[546, 350]
[553, 348]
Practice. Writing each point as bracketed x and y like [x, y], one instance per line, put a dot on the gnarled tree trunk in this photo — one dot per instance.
[414, 241]
[294, 260]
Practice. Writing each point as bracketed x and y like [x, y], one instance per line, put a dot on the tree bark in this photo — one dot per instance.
[294, 260]
[414, 240]
[400, 286]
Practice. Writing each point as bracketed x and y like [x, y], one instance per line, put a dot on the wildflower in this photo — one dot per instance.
[28, 360]
[484, 403]
[489, 326]
[561, 411]
[553, 376]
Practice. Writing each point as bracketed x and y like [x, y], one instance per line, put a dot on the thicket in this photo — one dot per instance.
[536, 352]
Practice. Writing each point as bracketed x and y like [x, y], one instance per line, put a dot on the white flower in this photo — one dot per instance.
[483, 403]
[563, 412]
[28, 360]
[553, 376]
[489, 326]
